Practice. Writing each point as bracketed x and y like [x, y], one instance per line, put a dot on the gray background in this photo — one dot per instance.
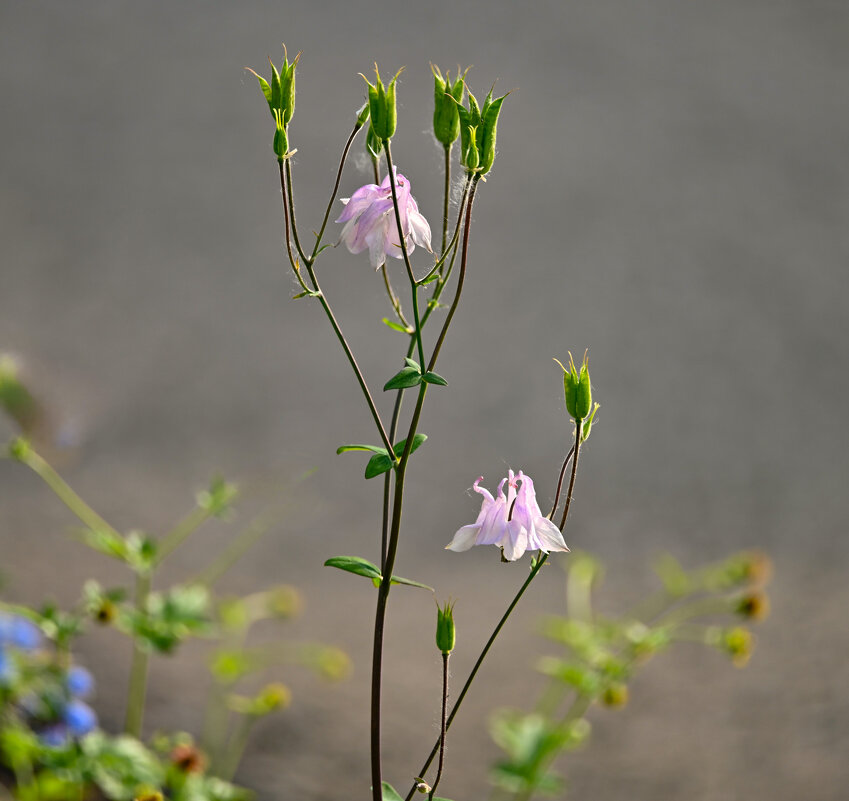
[670, 191]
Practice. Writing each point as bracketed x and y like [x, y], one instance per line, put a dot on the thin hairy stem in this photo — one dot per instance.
[413, 285]
[474, 672]
[333, 194]
[393, 298]
[560, 482]
[451, 245]
[291, 201]
[461, 279]
[286, 188]
[181, 532]
[138, 670]
[579, 426]
[446, 196]
[65, 494]
[443, 726]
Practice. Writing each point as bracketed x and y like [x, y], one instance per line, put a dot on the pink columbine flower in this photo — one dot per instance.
[369, 219]
[527, 529]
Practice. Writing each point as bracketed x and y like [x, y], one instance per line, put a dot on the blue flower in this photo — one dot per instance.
[55, 736]
[79, 681]
[19, 632]
[80, 718]
[7, 669]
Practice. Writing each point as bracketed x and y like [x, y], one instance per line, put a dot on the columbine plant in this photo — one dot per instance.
[50, 740]
[383, 218]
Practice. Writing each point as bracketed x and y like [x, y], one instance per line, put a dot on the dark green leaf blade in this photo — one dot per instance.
[434, 378]
[411, 583]
[418, 439]
[355, 564]
[404, 379]
[379, 464]
[390, 793]
[372, 448]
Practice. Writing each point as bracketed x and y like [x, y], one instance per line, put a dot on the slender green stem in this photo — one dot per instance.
[447, 196]
[443, 729]
[541, 560]
[65, 494]
[451, 249]
[237, 547]
[462, 277]
[578, 432]
[413, 285]
[400, 474]
[139, 668]
[286, 188]
[237, 745]
[560, 482]
[342, 161]
[291, 201]
[393, 298]
[375, 165]
[178, 535]
[492, 637]
[387, 479]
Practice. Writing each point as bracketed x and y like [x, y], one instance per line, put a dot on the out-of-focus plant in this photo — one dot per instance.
[50, 739]
[602, 654]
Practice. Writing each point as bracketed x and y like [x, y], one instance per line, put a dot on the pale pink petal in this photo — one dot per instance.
[464, 539]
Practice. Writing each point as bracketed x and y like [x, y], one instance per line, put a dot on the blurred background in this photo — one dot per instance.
[670, 191]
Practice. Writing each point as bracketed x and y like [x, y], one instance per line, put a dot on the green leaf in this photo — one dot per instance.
[390, 793]
[412, 363]
[429, 279]
[381, 463]
[434, 378]
[411, 583]
[404, 379]
[372, 448]
[355, 564]
[396, 326]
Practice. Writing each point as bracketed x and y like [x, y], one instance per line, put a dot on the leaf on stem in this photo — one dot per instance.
[355, 564]
[434, 378]
[372, 448]
[404, 379]
[381, 463]
[411, 583]
[397, 326]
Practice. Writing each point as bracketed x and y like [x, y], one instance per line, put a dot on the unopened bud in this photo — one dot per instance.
[754, 606]
[381, 100]
[447, 97]
[615, 696]
[577, 389]
[188, 758]
[363, 115]
[738, 643]
[478, 127]
[445, 631]
[421, 785]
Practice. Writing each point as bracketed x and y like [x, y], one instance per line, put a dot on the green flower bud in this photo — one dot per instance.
[362, 115]
[754, 605]
[737, 642]
[281, 140]
[615, 695]
[478, 128]
[280, 91]
[447, 96]
[445, 631]
[19, 449]
[381, 100]
[577, 389]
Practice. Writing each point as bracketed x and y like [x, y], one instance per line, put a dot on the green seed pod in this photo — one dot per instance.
[478, 127]
[362, 115]
[279, 92]
[577, 389]
[381, 101]
[446, 98]
[445, 632]
[281, 140]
